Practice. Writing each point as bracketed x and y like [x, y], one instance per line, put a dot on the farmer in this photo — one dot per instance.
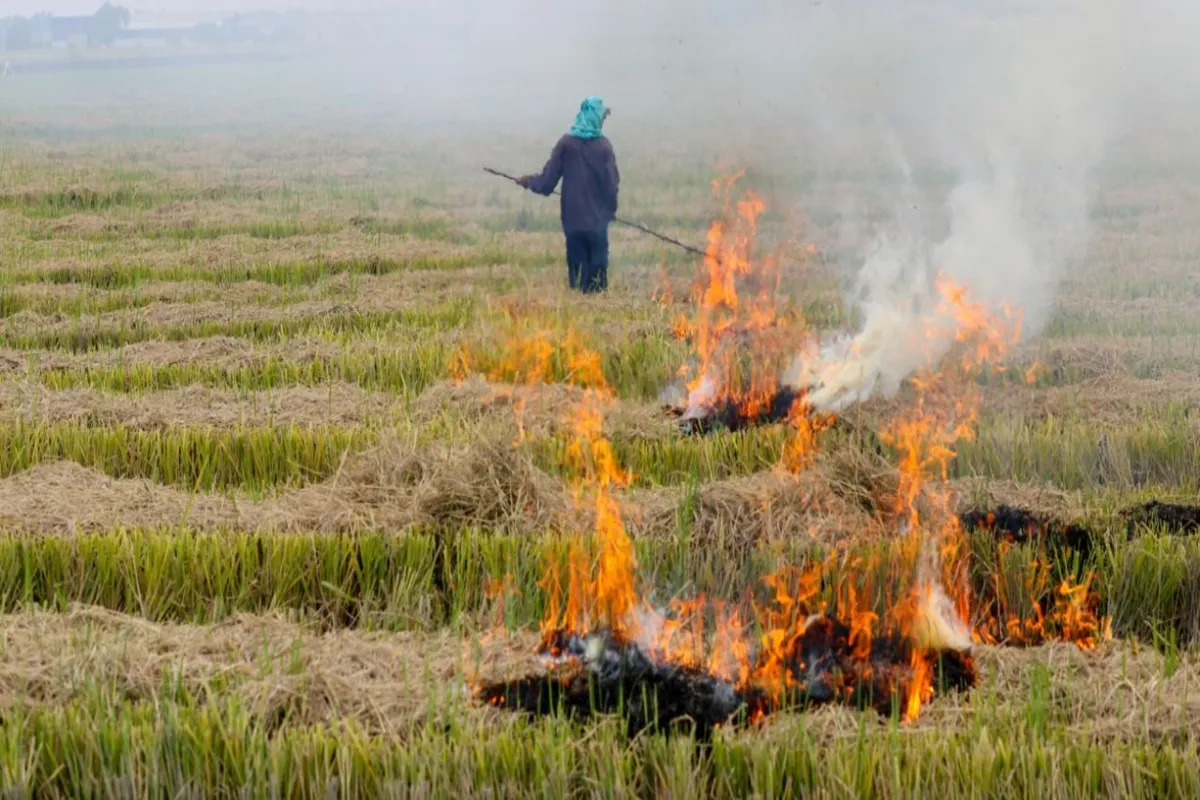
[585, 162]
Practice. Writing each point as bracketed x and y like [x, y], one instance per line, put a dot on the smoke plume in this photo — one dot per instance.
[1018, 112]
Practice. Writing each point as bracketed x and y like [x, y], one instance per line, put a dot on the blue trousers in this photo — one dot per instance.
[587, 260]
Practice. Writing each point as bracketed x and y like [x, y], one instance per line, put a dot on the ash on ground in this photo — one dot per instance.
[598, 674]
[730, 413]
[1021, 526]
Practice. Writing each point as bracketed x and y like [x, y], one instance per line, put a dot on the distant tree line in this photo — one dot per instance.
[109, 22]
[239, 29]
[19, 32]
[100, 29]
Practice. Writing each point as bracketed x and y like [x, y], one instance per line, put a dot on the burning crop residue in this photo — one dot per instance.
[880, 634]
[700, 663]
[598, 674]
[735, 414]
[889, 626]
[1040, 611]
[1024, 604]
[756, 363]
[740, 338]
[884, 629]
[887, 629]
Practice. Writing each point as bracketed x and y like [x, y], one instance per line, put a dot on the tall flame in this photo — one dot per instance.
[740, 338]
[606, 596]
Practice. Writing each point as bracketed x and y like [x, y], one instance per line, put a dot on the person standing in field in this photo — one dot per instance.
[584, 160]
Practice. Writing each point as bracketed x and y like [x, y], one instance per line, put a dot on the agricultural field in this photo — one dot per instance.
[306, 450]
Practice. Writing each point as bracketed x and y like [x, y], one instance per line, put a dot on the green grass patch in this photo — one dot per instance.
[403, 370]
[678, 460]
[12, 301]
[1079, 454]
[250, 459]
[419, 580]
[176, 745]
[425, 579]
[77, 199]
[1153, 589]
[397, 361]
[88, 336]
[298, 273]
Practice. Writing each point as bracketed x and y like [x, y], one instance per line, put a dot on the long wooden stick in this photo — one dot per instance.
[694, 250]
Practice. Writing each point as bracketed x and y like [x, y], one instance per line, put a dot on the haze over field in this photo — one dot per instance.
[985, 127]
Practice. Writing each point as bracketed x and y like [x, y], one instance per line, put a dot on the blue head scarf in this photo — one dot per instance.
[590, 119]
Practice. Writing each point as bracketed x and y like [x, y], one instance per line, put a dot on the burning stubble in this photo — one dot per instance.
[886, 631]
[1015, 115]
[705, 660]
[741, 338]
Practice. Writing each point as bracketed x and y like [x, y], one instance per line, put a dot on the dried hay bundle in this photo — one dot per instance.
[66, 498]
[1043, 499]
[279, 669]
[486, 484]
[738, 514]
[864, 479]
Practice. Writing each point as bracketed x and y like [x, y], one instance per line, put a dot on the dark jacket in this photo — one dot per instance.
[590, 181]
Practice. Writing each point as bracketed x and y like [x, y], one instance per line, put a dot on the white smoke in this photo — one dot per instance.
[907, 324]
[1020, 112]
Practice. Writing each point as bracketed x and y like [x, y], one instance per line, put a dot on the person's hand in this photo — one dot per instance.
[525, 180]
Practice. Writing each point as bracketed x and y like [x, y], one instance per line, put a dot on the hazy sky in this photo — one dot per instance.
[205, 7]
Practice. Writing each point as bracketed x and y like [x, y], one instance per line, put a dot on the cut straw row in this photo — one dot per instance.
[426, 580]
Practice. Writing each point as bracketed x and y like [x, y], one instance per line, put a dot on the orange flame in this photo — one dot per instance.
[740, 338]
[460, 364]
[608, 597]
